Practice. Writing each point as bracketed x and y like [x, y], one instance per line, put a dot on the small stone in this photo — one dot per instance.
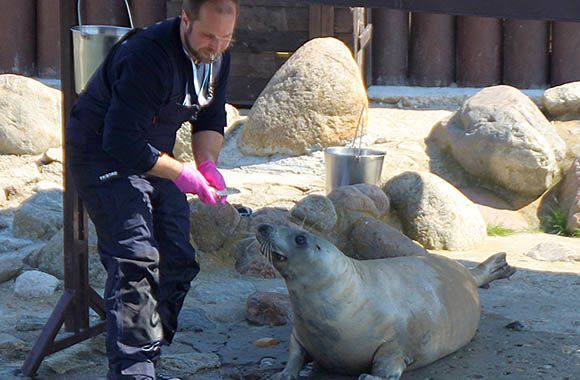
[30, 323]
[267, 362]
[77, 358]
[47, 186]
[516, 326]
[268, 308]
[51, 155]
[266, 342]
[189, 363]
[35, 284]
[12, 347]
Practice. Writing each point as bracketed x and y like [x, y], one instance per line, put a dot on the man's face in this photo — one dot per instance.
[207, 37]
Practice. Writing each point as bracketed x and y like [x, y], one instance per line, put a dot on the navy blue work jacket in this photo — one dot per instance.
[133, 106]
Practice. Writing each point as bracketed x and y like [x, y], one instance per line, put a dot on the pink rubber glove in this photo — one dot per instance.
[192, 181]
[213, 177]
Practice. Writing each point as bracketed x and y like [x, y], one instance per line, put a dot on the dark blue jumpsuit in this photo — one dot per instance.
[128, 114]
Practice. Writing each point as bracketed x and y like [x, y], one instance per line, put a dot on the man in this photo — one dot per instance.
[120, 136]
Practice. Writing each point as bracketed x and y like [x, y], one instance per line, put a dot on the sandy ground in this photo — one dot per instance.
[530, 325]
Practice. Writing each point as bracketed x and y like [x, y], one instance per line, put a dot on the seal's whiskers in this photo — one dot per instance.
[266, 250]
[252, 243]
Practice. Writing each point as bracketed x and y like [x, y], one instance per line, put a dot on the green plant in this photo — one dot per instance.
[556, 224]
[496, 230]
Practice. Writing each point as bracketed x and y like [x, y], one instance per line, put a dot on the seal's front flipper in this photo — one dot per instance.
[295, 361]
[388, 363]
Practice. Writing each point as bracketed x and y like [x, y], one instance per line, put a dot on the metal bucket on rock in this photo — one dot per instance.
[350, 165]
[91, 44]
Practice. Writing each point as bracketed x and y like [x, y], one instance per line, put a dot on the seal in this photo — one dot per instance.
[375, 318]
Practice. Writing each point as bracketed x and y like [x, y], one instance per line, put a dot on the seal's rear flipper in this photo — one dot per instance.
[494, 268]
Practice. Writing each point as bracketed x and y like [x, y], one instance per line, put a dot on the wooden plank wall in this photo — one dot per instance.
[423, 49]
[418, 49]
[268, 32]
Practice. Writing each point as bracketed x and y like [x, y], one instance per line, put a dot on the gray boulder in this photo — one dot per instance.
[212, 226]
[28, 124]
[569, 197]
[50, 259]
[39, 217]
[314, 100]
[35, 284]
[352, 203]
[315, 211]
[373, 239]
[562, 100]
[499, 135]
[434, 213]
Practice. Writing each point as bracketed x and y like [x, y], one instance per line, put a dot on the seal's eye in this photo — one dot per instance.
[300, 240]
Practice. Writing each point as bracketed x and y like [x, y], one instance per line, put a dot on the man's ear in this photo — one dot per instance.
[184, 18]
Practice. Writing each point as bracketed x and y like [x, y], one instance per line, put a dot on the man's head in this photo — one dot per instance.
[207, 27]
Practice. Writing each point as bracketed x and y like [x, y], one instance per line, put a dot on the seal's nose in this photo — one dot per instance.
[265, 229]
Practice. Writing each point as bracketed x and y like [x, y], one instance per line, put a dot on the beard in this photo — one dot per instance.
[199, 56]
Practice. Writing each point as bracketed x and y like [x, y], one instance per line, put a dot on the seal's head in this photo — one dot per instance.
[294, 251]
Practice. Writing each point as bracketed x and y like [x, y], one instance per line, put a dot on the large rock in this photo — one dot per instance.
[50, 259]
[39, 217]
[182, 149]
[212, 226]
[569, 197]
[35, 284]
[314, 100]
[352, 203]
[373, 239]
[501, 136]
[562, 100]
[30, 116]
[434, 213]
[12, 263]
[315, 211]
[554, 252]
[268, 308]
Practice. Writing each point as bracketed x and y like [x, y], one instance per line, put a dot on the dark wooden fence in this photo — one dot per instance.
[425, 49]
[417, 49]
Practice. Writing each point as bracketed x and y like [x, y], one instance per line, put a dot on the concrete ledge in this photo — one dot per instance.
[431, 97]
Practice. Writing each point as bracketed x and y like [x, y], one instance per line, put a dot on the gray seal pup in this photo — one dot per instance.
[378, 317]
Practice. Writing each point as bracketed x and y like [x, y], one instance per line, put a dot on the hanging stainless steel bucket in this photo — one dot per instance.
[91, 43]
[349, 166]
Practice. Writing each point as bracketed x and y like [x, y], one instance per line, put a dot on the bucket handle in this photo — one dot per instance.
[126, 4]
[357, 154]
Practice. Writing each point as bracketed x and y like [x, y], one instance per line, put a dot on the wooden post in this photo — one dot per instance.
[565, 53]
[432, 56]
[362, 33]
[47, 39]
[104, 12]
[525, 53]
[18, 36]
[390, 46]
[478, 51]
[147, 12]
[321, 21]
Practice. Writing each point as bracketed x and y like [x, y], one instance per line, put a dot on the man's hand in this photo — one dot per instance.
[192, 181]
[213, 177]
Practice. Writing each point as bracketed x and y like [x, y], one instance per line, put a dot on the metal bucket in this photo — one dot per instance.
[349, 166]
[91, 43]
